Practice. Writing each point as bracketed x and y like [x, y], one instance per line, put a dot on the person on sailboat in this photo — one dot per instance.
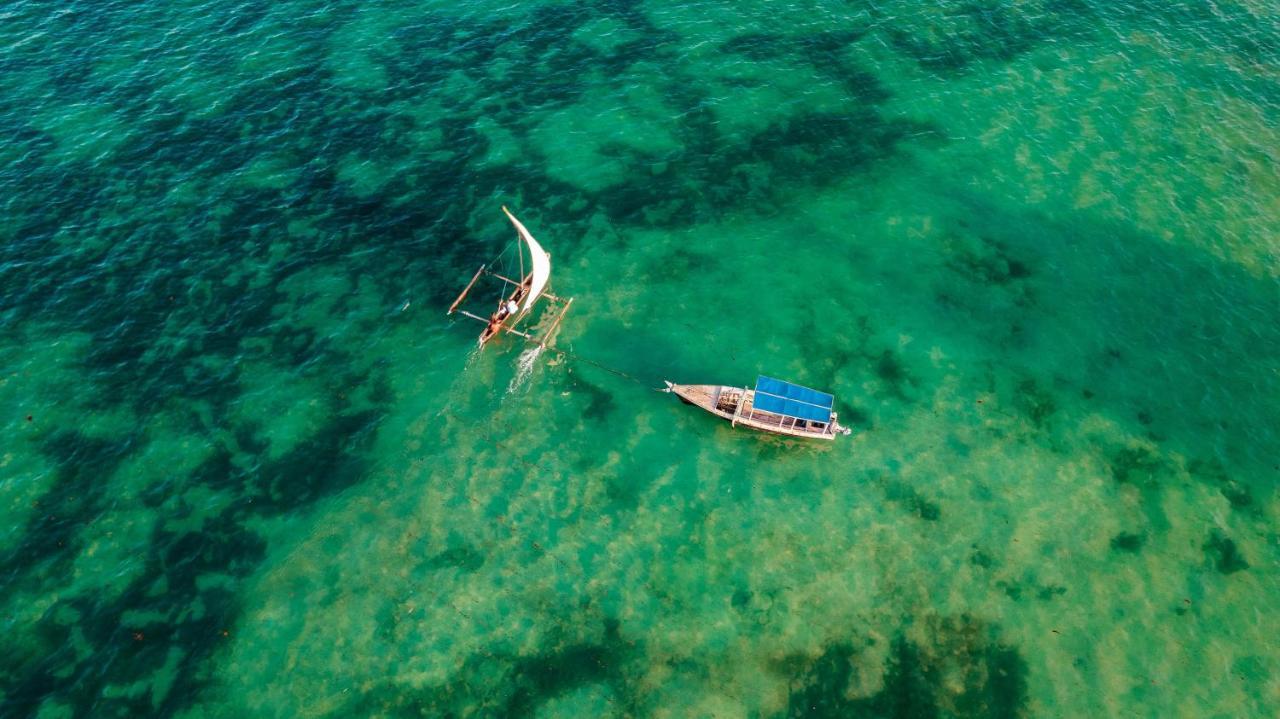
[505, 310]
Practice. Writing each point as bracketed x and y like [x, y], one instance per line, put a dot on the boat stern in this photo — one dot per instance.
[837, 428]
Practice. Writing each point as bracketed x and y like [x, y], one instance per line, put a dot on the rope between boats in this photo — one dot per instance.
[598, 365]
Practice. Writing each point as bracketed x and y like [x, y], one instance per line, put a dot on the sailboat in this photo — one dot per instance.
[514, 307]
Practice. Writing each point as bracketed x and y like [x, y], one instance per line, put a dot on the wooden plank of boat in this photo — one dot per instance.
[506, 316]
[737, 405]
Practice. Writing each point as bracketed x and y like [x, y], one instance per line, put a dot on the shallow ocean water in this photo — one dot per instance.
[250, 468]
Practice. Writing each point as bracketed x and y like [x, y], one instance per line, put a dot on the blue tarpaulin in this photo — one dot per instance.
[792, 400]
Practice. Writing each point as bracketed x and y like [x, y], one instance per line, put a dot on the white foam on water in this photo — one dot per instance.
[524, 368]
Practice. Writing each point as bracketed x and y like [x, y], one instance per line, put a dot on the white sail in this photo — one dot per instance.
[541, 263]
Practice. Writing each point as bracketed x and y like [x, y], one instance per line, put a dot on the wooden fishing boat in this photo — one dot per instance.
[773, 406]
[514, 307]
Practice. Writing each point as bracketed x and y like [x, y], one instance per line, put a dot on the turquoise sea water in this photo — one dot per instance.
[250, 469]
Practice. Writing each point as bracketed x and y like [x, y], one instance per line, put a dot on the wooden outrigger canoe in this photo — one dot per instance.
[773, 406]
[514, 307]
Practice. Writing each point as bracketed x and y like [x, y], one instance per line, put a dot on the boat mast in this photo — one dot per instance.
[519, 251]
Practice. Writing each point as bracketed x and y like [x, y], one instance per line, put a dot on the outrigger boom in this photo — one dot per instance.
[465, 290]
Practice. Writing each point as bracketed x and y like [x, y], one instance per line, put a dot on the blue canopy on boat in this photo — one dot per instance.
[792, 400]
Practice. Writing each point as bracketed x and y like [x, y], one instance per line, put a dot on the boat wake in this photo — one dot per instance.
[524, 367]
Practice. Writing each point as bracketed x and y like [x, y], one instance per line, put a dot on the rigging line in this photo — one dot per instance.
[598, 365]
[505, 250]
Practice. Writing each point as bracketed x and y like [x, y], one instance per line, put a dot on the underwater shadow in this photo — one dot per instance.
[1176, 345]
